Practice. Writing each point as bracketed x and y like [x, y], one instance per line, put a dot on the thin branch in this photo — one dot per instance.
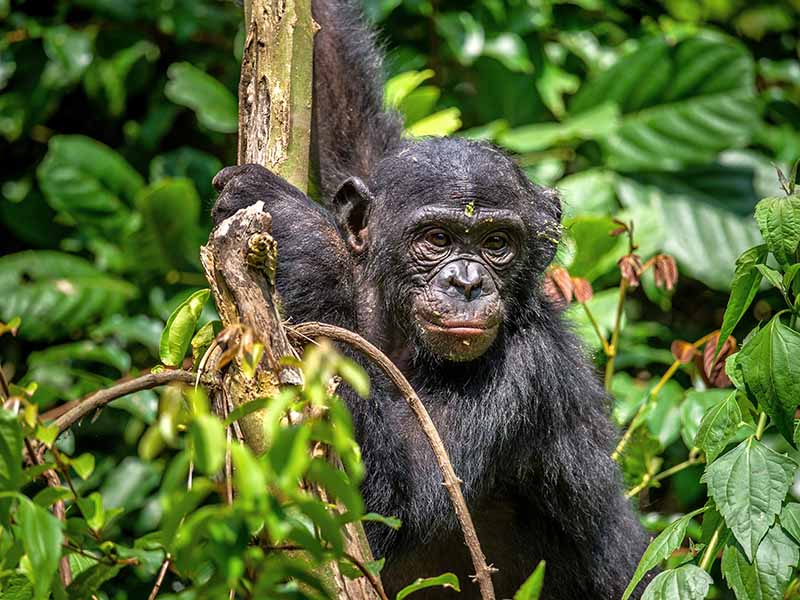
[100, 398]
[160, 579]
[451, 482]
[370, 577]
[59, 511]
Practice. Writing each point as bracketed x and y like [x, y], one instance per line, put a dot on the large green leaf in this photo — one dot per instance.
[703, 236]
[779, 221]
[769, 573]
[597, 252]
[41, 537]
[211, 101]
[688, 582]
[88, 182]
[681, 103]
[56, 293]
[168, 238]
[593, 124]
[748, 485]
[10, 451]
[661, 549]
[771, 371]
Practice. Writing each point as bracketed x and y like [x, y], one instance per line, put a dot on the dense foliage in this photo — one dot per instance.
[659, 122]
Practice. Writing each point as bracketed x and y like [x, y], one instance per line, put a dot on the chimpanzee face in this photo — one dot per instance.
[457, 261]
[452, 236]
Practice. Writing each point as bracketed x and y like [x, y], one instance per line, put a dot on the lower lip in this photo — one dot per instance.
[457, 331]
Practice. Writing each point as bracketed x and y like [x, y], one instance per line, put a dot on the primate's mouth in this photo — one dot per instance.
[460, 328]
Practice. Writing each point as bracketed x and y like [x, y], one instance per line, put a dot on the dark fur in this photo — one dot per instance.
[526, 424]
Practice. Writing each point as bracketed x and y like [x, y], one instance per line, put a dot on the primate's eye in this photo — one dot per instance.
[495, 242]
[438, 238]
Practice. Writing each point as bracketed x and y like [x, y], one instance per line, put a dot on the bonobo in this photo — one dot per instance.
[433, 249]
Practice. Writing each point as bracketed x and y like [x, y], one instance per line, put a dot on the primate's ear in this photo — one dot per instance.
[352, 204]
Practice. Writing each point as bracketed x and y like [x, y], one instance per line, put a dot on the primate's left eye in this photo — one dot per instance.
[495, 243]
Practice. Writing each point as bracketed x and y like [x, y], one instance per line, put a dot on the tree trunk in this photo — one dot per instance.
[239, 260]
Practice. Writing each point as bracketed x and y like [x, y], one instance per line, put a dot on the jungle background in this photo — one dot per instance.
[116, 114]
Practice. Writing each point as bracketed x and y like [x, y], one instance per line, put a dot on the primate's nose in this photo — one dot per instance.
[467, 277]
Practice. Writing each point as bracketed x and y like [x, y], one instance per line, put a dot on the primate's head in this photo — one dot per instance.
[455, 235]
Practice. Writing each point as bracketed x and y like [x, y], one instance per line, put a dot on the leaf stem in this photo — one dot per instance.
[600, 336]
[762, 425]
[612, 347]
[711, 551]
[636, 421]
[648, 479]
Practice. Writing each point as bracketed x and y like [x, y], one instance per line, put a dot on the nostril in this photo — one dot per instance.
[471, 289]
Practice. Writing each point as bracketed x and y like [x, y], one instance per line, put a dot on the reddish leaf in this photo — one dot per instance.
[665, 271]
[630, 266]
[683, 351]
[582, 289]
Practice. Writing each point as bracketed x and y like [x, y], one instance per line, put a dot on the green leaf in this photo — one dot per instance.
[10, 452]
[718, 426]
[208, 439]
[211, 101]
[746, 281]
[355, 376]
[790, 274]
[687, 582]
[88, 182]
[464, 35]
[661, 549]
[338, 485]
[769, 574]
[41, 536]
[509, 49]
[772, 276]
[593, 124]
[56, 294]
[190, 163]
[70, 53]
[696, 405]
[169, 236]
[180, 328]
[790, 520]
[597, 252]
[748, 485]
[779, 221]
[702, 233]
[532, 588]
[248, 474]
[444, 122]
[446, 580]
[288, 455]
[771, 372]
[400, 86]
[392, 522]
[89, 581]
[682, 103]
[83, 465]
[93, 511]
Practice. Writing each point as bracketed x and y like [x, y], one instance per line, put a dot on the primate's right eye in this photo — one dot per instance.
[438, 238]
